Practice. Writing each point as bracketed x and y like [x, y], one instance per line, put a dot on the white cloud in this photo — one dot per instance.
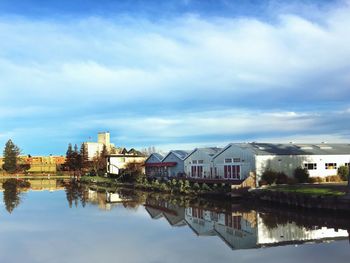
[236, 75]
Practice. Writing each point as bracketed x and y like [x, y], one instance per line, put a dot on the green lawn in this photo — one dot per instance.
[308, 190]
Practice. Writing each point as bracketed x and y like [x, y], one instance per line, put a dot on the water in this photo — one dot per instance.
[56, 221]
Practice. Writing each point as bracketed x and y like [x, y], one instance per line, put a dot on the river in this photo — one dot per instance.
[64, 221]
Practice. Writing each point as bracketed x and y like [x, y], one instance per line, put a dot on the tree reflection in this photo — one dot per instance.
[75, 192]
[12, 193]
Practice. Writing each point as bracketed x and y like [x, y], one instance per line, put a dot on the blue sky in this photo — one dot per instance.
[173, 74]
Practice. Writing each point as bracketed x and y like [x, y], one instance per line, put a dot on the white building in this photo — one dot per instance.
[238, 160]
[199, 164]
[118, 162]
[95, 148]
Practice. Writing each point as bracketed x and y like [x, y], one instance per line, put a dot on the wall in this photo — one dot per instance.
[199, 155]
[288, 163]
[175, 170]
[246, 156]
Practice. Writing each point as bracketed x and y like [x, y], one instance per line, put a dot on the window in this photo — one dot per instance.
[194, 161]
[236, 160]
[228, 160]
[232, 171]
[330, 166]
[347, 164]
[310, 166]
[200, 161]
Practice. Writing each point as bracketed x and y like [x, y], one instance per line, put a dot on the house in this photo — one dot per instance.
[198, 164]
[119, 162]
[154, 165]
[173, 163]
[239, 160]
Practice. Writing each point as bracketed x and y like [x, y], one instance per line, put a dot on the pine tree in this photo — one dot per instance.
[69, 156]
[11, 153]
[84, 158]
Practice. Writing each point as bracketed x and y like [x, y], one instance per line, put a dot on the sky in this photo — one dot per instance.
[173, 74]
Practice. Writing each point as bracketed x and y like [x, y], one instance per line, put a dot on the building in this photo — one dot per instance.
[95, 148]
[173, 163]
[237, 161]
[199, 163]
[40, 164]
[153, 165]
[119, 162]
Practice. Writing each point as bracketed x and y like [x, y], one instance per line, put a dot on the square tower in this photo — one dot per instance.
[104, 138]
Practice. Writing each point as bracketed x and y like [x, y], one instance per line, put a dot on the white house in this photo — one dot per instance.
[118, 162]
[198, 164]
[239, 160]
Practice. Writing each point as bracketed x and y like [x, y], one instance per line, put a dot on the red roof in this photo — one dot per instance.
[165, 164]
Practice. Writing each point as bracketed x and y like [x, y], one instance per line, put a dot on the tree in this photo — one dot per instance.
[84, 157]
[73, 158]
[343, 172]
[99, 162]
[301, 175]
[11, 153]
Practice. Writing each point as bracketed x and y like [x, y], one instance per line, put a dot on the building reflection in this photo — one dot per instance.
[241, 229]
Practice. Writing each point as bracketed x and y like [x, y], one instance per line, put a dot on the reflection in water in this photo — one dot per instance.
[12, 193]
[241, 229]
[238, 226]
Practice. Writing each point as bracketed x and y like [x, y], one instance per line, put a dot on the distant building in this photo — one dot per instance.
[40, 164]
[95, 148]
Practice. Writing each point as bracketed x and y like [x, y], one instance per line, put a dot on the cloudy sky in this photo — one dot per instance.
[173, 74]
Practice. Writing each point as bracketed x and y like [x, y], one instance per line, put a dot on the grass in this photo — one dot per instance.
[309, 190]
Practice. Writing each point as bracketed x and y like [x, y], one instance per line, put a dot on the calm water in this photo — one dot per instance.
[52, 221]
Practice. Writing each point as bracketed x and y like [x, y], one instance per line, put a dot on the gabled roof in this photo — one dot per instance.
[210, 151]
[181, 154]
[292, 148]
[157, 155]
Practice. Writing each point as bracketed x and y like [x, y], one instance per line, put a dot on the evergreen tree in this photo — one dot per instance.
[11, 153]
[84, 157]
[69, 157]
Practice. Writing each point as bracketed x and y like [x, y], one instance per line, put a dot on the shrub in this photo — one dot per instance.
[196, 186]
[301, 175]
[343, 172]
[281, 178]
[269, 176]
[333, 179]
[317, 180]
[163, 187]
[205, 187]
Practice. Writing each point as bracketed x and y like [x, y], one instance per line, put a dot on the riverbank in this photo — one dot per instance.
[172, 187]
[306, 196]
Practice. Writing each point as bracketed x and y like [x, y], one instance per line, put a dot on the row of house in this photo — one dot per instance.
[238, 161]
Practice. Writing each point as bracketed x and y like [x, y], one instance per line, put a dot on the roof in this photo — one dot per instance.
[181, 154]
[210, 151]
[157, 155]
[293, 148]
